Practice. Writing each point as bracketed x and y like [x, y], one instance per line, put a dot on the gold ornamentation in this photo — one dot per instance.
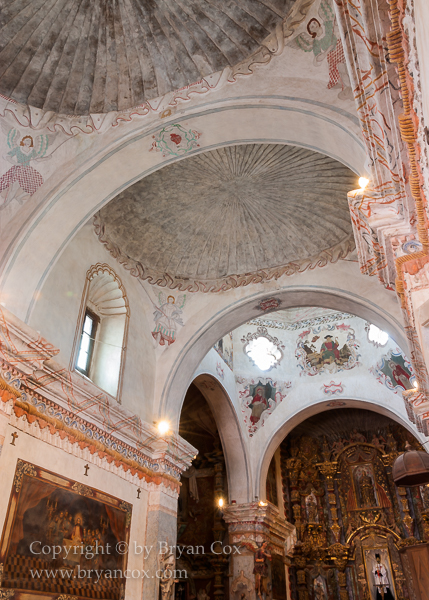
[370, 517]
[128, 509]
[328, 470]
[22, 468]
[301, 577]
[82, 490]
[6, 594]
[66, 597]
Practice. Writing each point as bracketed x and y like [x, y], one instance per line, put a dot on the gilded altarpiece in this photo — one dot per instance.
[353, 524]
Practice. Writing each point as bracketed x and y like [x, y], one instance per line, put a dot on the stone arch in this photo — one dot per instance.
[240, 311]
[233, 442]
[285, 428]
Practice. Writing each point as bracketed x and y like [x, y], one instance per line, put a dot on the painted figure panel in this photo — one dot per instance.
[327, 349]
[259, 398]
[395, 372]
[56, 523]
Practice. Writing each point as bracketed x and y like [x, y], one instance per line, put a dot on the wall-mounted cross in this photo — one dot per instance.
[138, 493]
[86, 467]
[14, 436]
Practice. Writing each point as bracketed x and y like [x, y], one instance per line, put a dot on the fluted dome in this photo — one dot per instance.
[231, 216]
[96, 56]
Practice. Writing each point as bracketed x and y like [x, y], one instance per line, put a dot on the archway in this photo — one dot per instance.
[242, 310]
[319, 408]
[238, 471]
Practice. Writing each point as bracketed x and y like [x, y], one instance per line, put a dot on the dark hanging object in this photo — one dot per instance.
[411, 468]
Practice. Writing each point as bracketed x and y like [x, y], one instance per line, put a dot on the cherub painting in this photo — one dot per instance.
[167, 318]
[322, 38]
[21, 181]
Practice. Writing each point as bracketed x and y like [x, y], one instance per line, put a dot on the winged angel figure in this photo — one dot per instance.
[21, 181]
[323, 40]
[167, 317]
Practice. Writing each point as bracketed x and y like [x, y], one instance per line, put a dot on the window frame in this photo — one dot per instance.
[98, 269]
[92, 337]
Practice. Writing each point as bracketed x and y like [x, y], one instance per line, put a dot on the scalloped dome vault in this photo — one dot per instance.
[95, 56]
[231, 216]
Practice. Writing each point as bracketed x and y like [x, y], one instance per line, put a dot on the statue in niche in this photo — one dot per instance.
[365, 487]
[381, 580]
[311, 508]
[319, 588]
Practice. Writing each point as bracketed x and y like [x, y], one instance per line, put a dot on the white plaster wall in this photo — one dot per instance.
[56, 460]
[57, 309]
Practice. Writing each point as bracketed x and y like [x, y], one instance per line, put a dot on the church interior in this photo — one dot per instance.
[214, 300]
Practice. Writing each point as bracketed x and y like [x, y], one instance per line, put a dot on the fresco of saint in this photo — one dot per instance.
[400, 376]
[258, 405]
[167, 318]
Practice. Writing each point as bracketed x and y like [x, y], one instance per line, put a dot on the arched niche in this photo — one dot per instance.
[231, 436]
[104, 295]
[285, 428]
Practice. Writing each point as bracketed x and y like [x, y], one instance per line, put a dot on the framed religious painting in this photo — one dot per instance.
[379, 573]
[62, 538]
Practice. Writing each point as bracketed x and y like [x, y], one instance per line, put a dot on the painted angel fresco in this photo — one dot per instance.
[21, 181]
[322, 38]
[167, 318]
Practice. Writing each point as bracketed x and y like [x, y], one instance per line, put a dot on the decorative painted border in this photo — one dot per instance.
[222, 284]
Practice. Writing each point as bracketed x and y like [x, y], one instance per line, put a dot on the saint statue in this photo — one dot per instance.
[381, 580]
[366, 490]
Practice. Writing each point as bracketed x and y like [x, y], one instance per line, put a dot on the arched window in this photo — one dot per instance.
[101, 335]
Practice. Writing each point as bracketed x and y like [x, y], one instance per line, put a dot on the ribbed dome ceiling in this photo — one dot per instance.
[95, 56]
[235, 211]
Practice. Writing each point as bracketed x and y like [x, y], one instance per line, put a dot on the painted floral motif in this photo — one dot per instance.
[220, 371]
[395, 372]
[174, 140]
[327, 349]
[269, 304]
[167, 317]
[332, 388]
[259, 398]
